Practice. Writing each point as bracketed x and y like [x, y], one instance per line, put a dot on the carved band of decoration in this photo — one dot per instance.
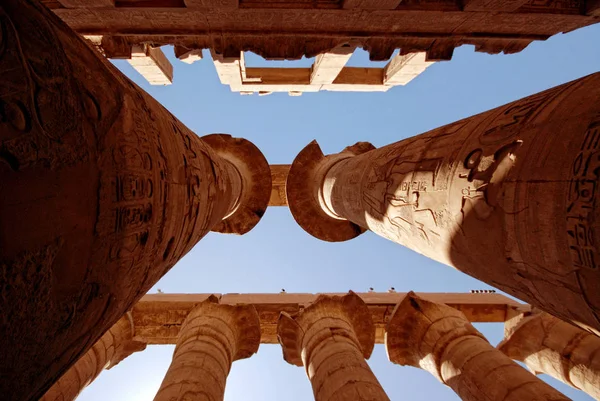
[549, 345]
[213, 336]
[102, 192]
[440, 340]
[114, 346]
[331, 338]
[474, 195]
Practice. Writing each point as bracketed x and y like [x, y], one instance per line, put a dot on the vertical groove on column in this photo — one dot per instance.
[475, 195]
[212, 337]
[549, 345]
[440, 339]
[114, 346]
[331, 339]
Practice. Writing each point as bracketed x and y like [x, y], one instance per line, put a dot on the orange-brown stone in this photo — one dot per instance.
[331, 338]
[102, 191]
[507, 196]
[549, 345]
[439, 339]
[114, 346]
[212, 337]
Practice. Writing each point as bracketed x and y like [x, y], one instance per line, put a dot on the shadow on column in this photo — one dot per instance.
[506, 196]
[102, 191]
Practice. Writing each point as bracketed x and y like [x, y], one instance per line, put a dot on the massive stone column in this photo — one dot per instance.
[549, 345]
[114, 346]
[507, 196]
[102, 191]
[211, 338]
[331, 338]
[440, 339]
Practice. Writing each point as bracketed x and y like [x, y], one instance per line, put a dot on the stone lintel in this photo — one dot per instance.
[152, 64]
[158, 317]
[349, 308]
[404, 68]
[187, 55]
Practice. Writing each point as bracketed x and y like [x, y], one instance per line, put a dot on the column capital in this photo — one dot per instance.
[242, 319]
[420, 330]
[350, 309]
[304, 191]
[549, 345]
[212, 337]
[255, 186]
[124, 345]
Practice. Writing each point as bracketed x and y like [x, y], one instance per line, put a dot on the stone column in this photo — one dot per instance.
[102, 191]
[440, 339]
[211, 338]
[331, 338]
[507, 196]
[114, 346]
[549, 345]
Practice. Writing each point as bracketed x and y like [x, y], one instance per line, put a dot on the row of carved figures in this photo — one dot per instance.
[102, 191]
[332, 337]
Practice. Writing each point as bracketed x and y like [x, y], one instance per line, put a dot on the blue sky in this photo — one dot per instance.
[278, 254]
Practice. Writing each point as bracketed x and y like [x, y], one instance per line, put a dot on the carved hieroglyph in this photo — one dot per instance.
[331, 338]
[114, 346]
[439, 339]
[507, 196]
[102, 190]
[549, 345]
[212, 337]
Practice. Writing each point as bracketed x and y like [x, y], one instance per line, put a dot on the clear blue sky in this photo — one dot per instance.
[279, 254]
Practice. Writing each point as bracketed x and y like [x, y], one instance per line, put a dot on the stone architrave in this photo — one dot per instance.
[549, 345]
[114, 346]
[476, 195]
[212, 337]
[331, 338]
[102, 191]
[440, 340]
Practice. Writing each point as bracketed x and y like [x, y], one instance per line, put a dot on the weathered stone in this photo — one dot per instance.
[293, 29]
[331, 338]
[439, 339]
[212, 337]
[507, 196]
[549, 345]
[102, 191]
[114, 346]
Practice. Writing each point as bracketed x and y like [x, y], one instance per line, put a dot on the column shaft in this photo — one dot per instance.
[549, 345]
[211, 338]
[476, 195]
[114, 346]
[102, 191]
[439, 339]
[331, 339]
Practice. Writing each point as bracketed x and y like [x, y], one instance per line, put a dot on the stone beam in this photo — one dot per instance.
[292, 33]
[152, 64]
[404, 68]
[87, 3]
[494, 5]
[186, 55]
[158, 317]
[327, 66]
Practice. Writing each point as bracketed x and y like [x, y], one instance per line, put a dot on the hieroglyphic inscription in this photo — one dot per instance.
[500, 128]
[582, 198]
